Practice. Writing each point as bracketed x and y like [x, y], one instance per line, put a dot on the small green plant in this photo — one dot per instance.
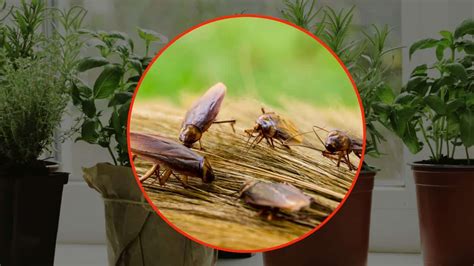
[362, 52]
[110, 95]
[34, 78]
[32, 102]
[436, 107]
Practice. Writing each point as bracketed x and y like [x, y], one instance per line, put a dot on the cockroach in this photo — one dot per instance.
[173, 157]
[274, 197]
[338, 146]
[270, 126]
[202, 115]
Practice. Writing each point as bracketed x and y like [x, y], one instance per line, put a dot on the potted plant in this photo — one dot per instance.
[34, 84]
[436, 110]
[340, 242]
[136, 235]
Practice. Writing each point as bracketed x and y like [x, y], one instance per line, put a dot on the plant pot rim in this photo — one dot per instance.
[423, 165]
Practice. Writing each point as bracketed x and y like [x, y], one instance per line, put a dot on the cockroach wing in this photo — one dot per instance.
[288, 131]
[279, 195]
[162, 150]
[204, 111]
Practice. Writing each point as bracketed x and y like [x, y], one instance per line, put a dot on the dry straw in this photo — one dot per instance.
[213, 213]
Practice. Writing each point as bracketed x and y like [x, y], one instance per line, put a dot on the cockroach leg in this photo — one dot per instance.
[270, 216]
[254, 140]
[200, 145]
[163, 178]
[351, 166]
[231, 122]
[150, 172]
[185, 181]
[273, 144]
[339, 157]
[284, 144]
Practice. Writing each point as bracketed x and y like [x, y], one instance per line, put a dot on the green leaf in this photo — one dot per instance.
[422, 44]
[466, 27]
[136, 64]
[417, 84]
[118, 35]
[447, 35]
[456, 70]
[469, 47]
[151, 36]
[405, 98]
[88, 108]
[115, 122]
[440, 52]
[108, 81]
[400, 118]
[91, 62]
[470, 99]
[420, 71]
[411, 139]
[89, 131]
[454, 105]
[75, 95]
[467, 128]
[436, 103]
[385, 94]
[120, 98]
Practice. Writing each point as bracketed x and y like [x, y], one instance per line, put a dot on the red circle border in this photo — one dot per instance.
[355, 90]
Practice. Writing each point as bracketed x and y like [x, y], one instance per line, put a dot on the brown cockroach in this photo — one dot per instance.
[338, 146]
[170, 155]
[271, 126]
[274, 196]
[202, 115]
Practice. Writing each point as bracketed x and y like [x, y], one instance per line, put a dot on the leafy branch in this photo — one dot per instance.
[121, 69]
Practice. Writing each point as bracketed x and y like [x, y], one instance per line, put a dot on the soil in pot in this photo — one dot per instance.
[29, 211]
[445, 196]
[343, 240]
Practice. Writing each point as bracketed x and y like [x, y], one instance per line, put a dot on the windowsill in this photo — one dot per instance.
[96, 255]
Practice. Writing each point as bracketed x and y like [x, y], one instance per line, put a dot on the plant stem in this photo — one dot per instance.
[454, 147]
[426, 138]
[108, 144]
[446, 136]
[111, 154]
[467, 155]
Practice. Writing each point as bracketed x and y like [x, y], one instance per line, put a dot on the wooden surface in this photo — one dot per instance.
[213, 213]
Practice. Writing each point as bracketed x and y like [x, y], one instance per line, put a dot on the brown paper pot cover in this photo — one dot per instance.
[343, 240]
[445, 196]
[136, 235]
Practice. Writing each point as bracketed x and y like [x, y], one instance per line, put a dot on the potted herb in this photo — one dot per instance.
[435, 110]
[339, 242]
[136, 235]
[34, 86]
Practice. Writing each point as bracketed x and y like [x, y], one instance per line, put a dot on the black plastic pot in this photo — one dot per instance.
[342, 241]
[29, 216]
[445, 196]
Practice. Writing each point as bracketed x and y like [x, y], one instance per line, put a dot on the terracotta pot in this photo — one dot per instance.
[343, 240]
[29, 216]
[445, 195]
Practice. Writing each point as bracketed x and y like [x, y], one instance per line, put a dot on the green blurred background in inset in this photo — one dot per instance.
[254, 57]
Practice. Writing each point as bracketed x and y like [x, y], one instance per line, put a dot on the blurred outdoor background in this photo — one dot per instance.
[257, 59]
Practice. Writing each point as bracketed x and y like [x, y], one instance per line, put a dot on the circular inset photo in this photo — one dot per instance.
[246, 134]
